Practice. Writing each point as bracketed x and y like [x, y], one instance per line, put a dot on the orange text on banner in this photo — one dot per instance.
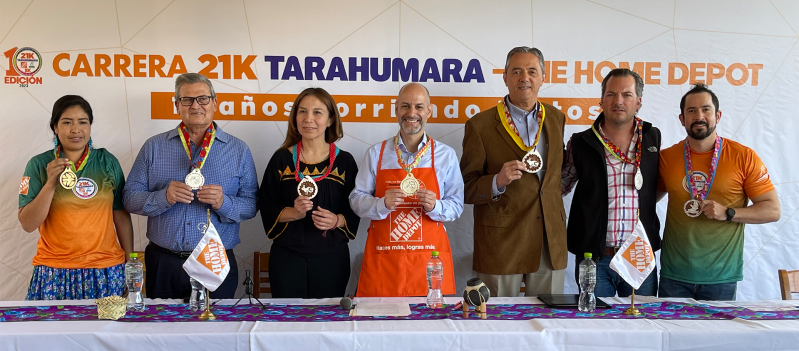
[363, 108]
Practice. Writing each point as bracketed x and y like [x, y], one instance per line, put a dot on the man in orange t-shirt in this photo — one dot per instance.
[702, 248]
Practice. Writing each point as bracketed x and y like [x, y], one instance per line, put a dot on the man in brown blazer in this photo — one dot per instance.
[519, 220]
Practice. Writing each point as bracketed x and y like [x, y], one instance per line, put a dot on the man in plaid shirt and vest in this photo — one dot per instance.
[614, 162]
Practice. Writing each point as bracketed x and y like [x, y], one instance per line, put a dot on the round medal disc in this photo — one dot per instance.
[691, 208]
[307, 187]
[409, 185]
[533, 161]
[68, 179]
[639, 179]
[195, 179]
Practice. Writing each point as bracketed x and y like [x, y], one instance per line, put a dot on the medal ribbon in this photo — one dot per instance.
[622, 156]
[409, 167]
[689, 173]
[208, 140]
[76, 166]
[513, 131]
[297, 149]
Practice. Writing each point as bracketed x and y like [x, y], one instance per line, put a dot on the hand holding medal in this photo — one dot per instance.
[694, 206]
[532, 161]
[68, 178]
[410, 184]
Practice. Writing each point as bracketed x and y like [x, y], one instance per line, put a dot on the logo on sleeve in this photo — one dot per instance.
[23, 187]
[763, 174]
[85, 188]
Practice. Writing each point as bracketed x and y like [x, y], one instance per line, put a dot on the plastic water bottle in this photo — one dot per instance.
[435, 276]
[587, 283]
[134, 277]
[197, 299]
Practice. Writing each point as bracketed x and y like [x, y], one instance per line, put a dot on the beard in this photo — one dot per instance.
[698, 135]
[411, 131]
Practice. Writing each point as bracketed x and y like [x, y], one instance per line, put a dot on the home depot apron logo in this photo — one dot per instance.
[406, 222]
[639, 254]
[213, 257]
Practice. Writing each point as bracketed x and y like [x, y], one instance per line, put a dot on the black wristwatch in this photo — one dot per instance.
[730, 213]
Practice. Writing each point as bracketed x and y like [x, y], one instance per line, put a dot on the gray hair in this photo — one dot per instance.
[625, 72]
[192, 78]
[527, 50]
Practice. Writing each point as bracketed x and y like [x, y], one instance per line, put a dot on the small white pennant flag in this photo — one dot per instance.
[635, 260]
[208, 262]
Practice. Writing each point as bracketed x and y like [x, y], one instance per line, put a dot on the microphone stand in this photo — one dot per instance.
[248, 286]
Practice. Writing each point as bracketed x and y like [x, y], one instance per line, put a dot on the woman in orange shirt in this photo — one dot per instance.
[73, 195]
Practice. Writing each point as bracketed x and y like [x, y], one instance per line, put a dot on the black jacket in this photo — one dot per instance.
[588, 217]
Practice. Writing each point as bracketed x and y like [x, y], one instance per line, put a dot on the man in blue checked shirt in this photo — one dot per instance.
[179, 175]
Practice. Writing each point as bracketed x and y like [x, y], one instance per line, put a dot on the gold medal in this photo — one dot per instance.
[307, 187]
[532, 161]
[194, 179]
[68, 179]
[409, 185]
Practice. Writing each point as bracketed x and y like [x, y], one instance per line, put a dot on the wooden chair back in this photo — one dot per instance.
[260, 267]
[789, 283]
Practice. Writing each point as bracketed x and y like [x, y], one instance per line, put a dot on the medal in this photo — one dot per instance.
[307, 184]
[691, 207]
[194, 179]
[639, 179]
[307, 187]
[410, 184]
[68, 179]
[532, 161]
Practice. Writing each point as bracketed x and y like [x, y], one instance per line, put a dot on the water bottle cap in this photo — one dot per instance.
[587, 255]
[435, 253]
[134, 255]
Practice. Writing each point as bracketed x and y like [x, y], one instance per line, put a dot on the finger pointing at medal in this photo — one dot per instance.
[211, 194]
[511, 170]
[179, 192]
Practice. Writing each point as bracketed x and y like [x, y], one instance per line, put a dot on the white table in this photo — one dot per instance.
[538, 334]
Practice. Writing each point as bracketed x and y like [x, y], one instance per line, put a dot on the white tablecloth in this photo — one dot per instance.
[538, 334]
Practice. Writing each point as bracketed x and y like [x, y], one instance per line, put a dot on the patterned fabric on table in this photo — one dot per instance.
[49, 283]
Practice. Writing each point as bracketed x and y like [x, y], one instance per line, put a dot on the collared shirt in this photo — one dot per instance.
[622, 196]
[527, 123]
[162, 160]
[450, 182]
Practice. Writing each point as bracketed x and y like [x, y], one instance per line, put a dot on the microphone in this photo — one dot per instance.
[346, 303]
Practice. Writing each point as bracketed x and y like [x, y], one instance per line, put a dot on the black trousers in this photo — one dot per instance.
[294, 275]
[166, 279]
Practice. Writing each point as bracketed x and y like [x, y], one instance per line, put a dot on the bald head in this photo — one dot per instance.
[413, 108]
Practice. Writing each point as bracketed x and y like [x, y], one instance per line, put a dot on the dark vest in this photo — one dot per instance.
[588, 217]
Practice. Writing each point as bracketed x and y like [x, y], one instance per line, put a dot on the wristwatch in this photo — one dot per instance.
[730, 213]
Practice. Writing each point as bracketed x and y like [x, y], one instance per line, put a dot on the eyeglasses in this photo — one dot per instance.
[201, 100]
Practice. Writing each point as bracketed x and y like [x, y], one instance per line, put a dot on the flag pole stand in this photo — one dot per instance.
[207, 314]
[632, 311]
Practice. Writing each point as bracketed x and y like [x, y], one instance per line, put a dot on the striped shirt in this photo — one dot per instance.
[162, 160]
[622, 196]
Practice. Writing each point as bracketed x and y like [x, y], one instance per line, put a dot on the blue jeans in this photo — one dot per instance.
[609, 283]
[674, 288]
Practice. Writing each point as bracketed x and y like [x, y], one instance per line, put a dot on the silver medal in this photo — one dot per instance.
[307, 187]
[195, 179]
[533, 161]
[639, 179]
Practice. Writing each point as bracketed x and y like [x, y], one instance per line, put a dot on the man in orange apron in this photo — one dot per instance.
[407, 185]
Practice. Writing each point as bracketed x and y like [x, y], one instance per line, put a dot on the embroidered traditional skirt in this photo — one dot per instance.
[49, 283]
